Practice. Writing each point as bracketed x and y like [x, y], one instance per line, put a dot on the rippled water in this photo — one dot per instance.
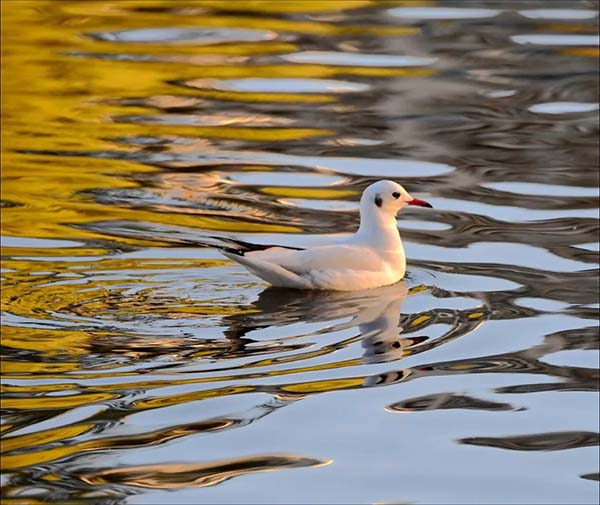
[141, 366]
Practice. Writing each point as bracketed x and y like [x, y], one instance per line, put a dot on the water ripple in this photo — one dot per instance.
[196, 35]
[136, 360]
[270, 85]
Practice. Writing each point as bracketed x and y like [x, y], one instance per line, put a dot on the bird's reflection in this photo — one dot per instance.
[375, 314]
[385, 332]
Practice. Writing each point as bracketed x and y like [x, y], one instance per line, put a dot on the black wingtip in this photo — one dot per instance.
[241, 247]
[231, 250]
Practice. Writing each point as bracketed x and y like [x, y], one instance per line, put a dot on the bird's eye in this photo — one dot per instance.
[396, 195]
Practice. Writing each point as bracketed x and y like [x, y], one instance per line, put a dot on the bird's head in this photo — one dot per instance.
[387, 197]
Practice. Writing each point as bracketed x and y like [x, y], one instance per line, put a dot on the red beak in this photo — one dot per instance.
[420, 203]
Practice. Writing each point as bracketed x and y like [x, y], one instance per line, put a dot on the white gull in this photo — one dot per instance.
[372, 257]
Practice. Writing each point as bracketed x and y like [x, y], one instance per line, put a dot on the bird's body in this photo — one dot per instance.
[372, 257]
[344, 266]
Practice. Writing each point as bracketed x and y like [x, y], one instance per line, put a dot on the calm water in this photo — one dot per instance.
[140, 366]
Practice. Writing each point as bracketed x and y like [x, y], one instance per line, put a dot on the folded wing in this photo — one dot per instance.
[340, 267]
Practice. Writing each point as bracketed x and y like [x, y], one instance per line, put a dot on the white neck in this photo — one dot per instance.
[379, 229]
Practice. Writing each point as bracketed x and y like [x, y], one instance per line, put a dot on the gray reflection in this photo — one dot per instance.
[444, 401]
[557, 441]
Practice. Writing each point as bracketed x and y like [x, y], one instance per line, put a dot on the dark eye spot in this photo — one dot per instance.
[396, 195]
[378, 200]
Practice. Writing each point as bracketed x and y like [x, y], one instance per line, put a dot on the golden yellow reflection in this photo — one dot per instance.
[564, 27]
[70, 109]
[27, 367]
[288, 6]
[55, 402]
[588, 52]
[51, 477]
[11, 461]
[46, 341]
[28, 294]
[43, 437]
[309, 193]
[145, 439]
[419, 320]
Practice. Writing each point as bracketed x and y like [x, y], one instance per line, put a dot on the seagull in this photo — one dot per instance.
[371, 258]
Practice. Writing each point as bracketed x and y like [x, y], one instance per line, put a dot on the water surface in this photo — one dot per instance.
[141, 366]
